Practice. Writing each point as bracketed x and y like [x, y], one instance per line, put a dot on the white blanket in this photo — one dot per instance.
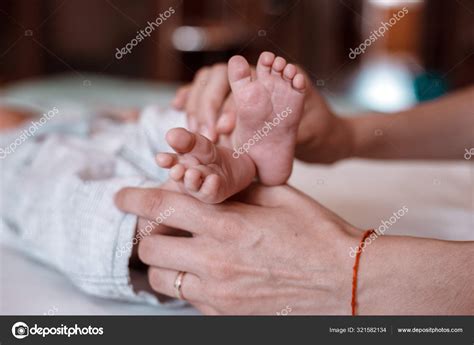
[58, 188]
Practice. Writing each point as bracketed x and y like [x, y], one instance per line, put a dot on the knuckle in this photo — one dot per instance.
[229, 224]
[202, 73]
[207, 265]
[222, 270]
[153, 203]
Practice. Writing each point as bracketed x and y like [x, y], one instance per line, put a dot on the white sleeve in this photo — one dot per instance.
[57, 205]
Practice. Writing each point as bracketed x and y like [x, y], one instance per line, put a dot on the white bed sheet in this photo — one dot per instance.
[439, 198]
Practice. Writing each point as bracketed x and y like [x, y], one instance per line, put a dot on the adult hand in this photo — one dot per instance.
[207, 102]
[211, 111]
[274, 248]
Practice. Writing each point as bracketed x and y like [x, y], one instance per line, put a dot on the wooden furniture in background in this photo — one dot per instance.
[82, 36]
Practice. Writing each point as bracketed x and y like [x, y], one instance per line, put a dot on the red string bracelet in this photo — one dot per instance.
[355, 270]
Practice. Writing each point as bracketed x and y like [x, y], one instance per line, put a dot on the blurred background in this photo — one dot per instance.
[69, 54]
[72, 45]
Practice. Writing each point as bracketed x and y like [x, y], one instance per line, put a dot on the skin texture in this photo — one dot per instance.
[319, 130]
[323, 137]
[228, 266]
[277, 89]
[273, 247]
[212, 173]
[398, 275]
[204, 170]
[440, 129]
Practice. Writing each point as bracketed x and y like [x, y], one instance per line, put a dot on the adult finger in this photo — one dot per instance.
[194, 96]
[174, 253]
[227, 121]
[172, 209]
[181, 97]
[162, 281]
[147, 227]
[213, 98]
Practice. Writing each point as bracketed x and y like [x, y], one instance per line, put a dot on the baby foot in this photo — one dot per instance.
[204, 170]
[269, 109]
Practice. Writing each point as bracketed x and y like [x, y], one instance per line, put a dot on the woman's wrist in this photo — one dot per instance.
[405, 276]
[334, 143]
[334, 278]
[368, 135]
[397, 275]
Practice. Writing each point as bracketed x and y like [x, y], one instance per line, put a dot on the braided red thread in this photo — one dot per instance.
[355, 270]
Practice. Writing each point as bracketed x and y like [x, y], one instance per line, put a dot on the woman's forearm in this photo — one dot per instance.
[441, 129]
[406, 276]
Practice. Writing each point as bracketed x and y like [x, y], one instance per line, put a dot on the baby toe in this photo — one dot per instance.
[289, 72]
[299, 82]
[193, 180]
[166, 160]
[210, 189]
[278, 65]
[181, 140]
[177, 172]
[264, 64]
